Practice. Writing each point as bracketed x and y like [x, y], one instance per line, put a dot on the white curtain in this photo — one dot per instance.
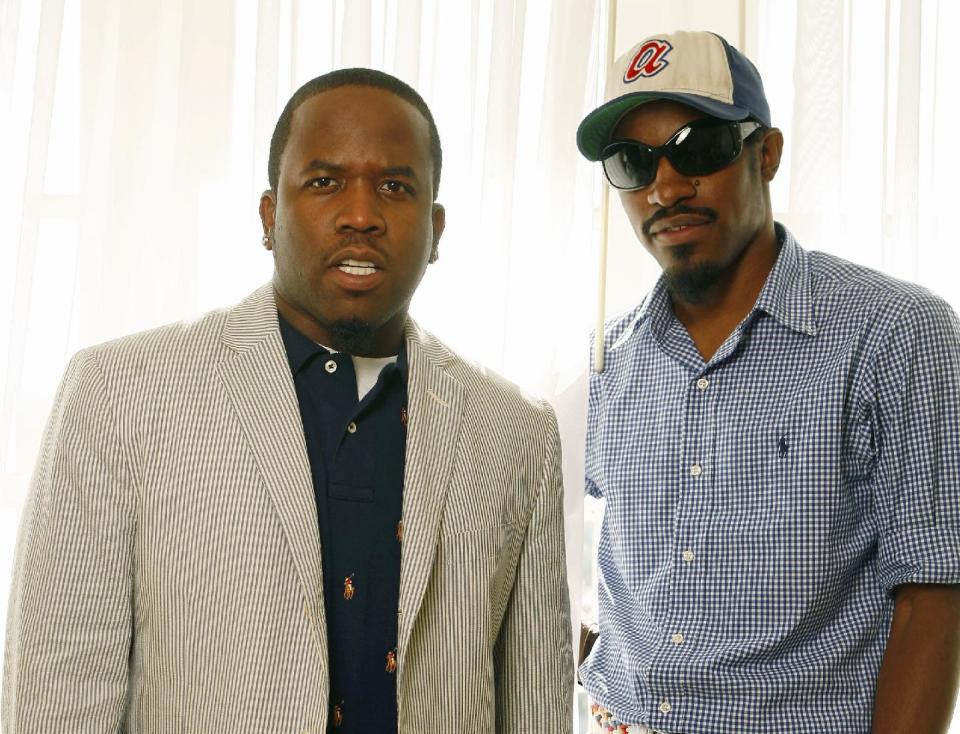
[866, 93]
[136, 146]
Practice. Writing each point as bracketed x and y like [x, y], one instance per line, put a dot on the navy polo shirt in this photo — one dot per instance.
[356, 451]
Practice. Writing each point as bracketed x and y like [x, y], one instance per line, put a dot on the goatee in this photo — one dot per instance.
[693, 284]
[351, 336]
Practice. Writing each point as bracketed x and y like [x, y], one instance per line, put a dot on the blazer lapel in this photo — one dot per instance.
[434, 404]
[260, 387]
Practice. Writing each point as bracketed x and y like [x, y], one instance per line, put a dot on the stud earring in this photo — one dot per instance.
[266, 241]
[696, 183]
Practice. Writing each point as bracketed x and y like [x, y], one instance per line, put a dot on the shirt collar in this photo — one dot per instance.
[301, 349]
[785, 295]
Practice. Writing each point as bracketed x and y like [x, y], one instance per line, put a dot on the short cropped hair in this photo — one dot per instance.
[358, 77]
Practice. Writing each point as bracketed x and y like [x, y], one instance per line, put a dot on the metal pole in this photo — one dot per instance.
[598, 349]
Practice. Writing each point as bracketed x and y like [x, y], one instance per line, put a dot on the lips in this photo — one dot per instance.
[678, 223]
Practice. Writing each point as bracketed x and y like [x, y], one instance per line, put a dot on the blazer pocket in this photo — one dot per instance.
[475, 547]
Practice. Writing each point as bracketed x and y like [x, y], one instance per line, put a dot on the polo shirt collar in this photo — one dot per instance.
[301, 349]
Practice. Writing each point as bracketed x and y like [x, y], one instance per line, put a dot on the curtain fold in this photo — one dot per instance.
[866, 103]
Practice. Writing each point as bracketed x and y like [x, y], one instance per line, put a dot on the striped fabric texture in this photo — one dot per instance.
[168, 574]
[762, 507]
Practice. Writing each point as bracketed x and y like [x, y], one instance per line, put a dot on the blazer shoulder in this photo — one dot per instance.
[196, 336]
[493, 394]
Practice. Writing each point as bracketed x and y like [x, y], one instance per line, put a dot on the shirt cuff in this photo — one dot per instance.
[926, 555]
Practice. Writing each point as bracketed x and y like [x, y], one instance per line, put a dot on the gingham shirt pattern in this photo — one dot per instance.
[761, 507]
[168, 573]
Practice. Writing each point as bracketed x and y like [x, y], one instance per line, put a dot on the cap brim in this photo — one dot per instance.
[597, 127]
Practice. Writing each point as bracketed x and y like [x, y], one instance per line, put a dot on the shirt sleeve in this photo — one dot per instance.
[69, 628]
[917, 440]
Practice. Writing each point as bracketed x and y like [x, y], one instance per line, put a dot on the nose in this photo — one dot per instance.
[360, 210]
[669, 187]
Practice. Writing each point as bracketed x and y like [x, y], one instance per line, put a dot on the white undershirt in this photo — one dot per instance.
[368, 370]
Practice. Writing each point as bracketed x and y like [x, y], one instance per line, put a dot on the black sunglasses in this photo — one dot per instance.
[696, 149]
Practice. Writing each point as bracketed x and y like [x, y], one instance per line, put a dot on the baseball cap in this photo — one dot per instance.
[696, 68]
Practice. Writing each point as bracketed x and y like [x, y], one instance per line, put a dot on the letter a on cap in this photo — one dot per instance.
[649, 60]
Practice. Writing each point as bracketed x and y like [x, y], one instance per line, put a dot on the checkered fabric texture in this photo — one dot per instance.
[761, 507]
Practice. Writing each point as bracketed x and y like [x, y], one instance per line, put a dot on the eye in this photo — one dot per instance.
[393, 186]
[321, 183]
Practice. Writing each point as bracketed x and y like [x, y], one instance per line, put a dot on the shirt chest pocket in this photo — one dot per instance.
[791, 471]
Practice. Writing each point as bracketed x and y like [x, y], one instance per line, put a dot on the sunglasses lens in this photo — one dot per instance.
[705, 150]
[698, 149]
[629, 165]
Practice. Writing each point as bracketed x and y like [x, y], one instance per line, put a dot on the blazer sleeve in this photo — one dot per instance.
[533, 657]
[69, 622]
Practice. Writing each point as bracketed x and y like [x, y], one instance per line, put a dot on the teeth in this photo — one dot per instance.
[357, 267]
[352, 270]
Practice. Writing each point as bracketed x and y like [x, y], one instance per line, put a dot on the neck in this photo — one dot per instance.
[712, 318]
[347, 337]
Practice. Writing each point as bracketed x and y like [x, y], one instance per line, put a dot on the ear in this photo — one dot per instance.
[771, 148]
[268, 211]
[439, 216]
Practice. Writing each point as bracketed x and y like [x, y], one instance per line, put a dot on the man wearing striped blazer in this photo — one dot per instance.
[302, 513]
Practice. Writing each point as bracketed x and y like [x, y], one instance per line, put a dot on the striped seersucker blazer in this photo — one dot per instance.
[168, 574]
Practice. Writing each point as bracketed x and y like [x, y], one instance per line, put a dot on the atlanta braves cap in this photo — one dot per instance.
[696, 68]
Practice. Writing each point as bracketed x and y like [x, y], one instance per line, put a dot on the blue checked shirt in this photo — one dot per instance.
[761, 507]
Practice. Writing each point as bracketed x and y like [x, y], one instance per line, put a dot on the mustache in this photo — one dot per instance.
[355, 239]
[702, 211]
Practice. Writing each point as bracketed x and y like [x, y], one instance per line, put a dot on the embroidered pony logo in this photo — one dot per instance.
[649, 60]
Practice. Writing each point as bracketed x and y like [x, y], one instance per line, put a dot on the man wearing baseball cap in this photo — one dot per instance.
[776, 434]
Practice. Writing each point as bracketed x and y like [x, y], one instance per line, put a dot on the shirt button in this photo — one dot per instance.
[676, 638]
[330, 366]
[351, 427]
[696, 470]
[665, 707]
[703, 383]
[687, 556]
